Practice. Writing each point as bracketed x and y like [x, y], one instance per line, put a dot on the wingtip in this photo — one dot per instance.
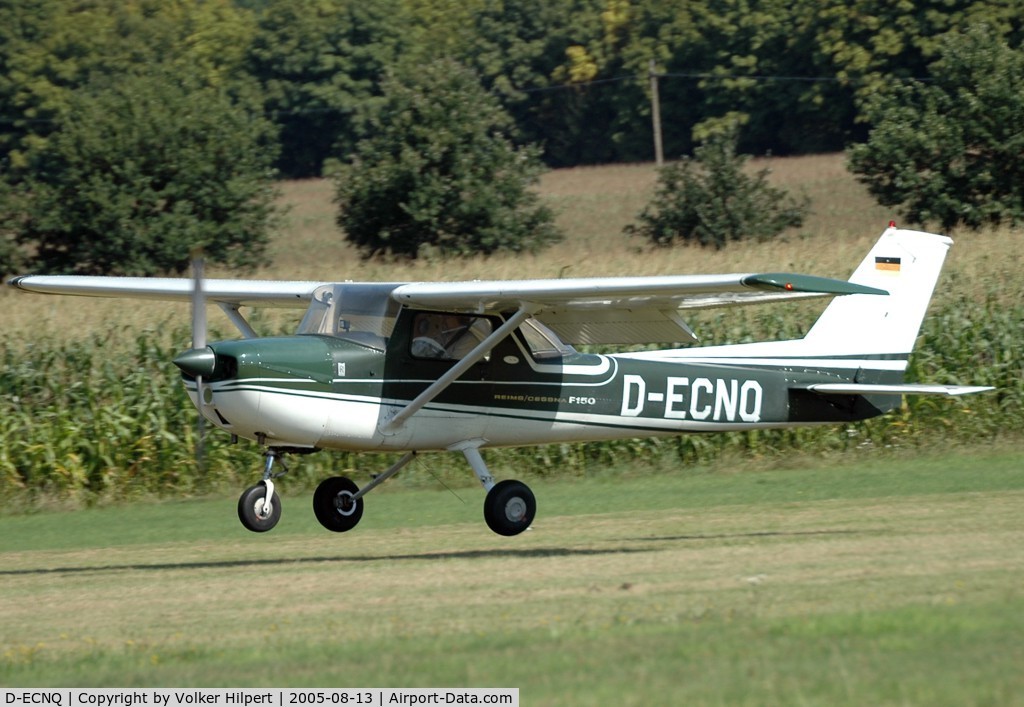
[791, 282]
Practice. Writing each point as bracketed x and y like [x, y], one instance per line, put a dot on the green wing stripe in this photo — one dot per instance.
[791, 282]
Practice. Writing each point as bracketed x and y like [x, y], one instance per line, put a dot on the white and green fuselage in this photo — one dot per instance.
[341, 385]
[324, 392]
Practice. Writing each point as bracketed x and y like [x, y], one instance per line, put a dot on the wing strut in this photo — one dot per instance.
[898, 389]
[240, 322]
[526, 310]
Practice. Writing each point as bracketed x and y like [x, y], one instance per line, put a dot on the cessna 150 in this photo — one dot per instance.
[467, 366]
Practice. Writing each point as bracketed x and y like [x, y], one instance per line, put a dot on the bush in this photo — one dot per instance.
[439, 173]
[140, 172]
[710, 199]
[949, 151]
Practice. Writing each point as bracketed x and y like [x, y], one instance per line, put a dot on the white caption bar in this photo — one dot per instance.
[251, 697]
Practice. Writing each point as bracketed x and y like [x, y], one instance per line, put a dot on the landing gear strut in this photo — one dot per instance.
[338, 502]
[510, 506]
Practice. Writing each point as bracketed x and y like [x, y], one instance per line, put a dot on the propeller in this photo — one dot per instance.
[198, 302]
[200, 359]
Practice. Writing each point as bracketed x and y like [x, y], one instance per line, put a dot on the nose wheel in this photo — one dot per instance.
[259, 506]
[254, 511]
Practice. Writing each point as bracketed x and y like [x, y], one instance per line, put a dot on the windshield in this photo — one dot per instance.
[360, 312]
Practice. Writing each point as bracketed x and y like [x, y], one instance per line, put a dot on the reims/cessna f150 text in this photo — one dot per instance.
[470, 365]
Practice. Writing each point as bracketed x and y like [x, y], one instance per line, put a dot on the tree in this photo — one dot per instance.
[142, 170]
[520, 50]
[709, 199]
[439, 172]
[11, 257]
[320, 63]
[949, 151]
[50, 49]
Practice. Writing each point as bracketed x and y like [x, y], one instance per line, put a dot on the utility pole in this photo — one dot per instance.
[659, 154]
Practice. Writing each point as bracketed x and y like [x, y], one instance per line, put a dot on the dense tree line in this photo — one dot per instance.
[797, 74]
[170, 118]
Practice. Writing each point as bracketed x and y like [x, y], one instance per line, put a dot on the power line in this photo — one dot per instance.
[698, 75]
[709, 75]
[803, 79]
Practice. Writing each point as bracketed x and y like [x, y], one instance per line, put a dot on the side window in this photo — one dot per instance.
[445, 336]
[542, 342]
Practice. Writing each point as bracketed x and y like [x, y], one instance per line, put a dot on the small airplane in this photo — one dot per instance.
[466, 366]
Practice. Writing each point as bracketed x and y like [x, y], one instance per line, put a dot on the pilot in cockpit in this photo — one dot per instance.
[446, 336]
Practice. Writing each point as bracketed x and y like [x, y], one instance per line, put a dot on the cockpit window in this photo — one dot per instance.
[542, 342]
[446, 336]
[363, 313]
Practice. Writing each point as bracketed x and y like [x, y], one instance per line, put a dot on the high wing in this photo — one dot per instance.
[606, 310]
[240, 293]
[621, 310]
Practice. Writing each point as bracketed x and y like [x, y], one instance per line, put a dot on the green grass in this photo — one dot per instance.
[895, 581]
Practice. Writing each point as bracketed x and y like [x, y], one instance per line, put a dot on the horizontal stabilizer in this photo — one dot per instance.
[899, 389]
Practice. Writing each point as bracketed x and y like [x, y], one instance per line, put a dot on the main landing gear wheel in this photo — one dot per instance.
[334, 505]
[509, 507]
[253, 514]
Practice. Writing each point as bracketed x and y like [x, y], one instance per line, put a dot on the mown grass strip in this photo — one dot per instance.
[889, 583]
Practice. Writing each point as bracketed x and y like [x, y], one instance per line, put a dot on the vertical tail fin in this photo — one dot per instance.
[906, 264]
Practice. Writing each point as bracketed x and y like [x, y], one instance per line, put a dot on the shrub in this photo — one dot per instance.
[440, 173]
[141, 171]
[949, 151]
[710, 199]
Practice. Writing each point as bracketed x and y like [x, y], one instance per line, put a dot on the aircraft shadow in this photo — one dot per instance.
[541, 552]
[271, 562]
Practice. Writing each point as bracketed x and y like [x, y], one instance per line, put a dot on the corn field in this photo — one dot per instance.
[84, 423]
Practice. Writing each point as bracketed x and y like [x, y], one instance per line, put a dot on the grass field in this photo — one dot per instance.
[886, 582]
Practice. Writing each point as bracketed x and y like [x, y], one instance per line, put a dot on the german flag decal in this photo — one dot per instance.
[887, 264]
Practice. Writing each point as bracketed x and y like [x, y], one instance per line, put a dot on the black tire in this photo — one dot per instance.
[250, 503]
[333, 505]
[509, 508]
